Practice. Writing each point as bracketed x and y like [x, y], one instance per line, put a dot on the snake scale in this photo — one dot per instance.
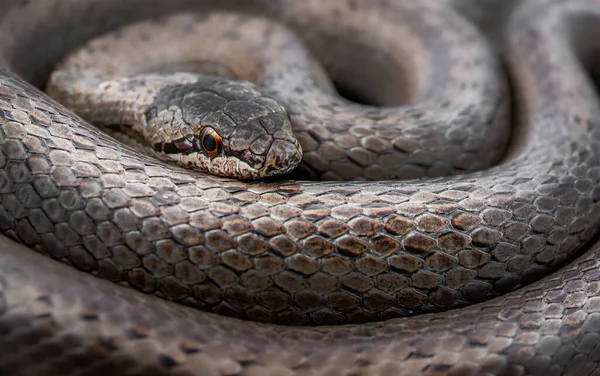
[330, 275]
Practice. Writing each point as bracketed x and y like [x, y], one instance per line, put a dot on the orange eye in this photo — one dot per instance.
[210, 141]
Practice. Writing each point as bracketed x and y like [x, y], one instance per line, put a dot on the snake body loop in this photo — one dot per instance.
[309, 253]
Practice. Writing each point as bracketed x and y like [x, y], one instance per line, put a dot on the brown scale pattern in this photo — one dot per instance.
[299, 252]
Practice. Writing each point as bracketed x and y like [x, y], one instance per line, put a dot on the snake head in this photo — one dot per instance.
[223, 127]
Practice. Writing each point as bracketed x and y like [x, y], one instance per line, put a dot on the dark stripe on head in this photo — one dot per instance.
[179, 146]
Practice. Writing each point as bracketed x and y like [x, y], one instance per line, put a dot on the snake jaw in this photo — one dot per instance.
[283, 157]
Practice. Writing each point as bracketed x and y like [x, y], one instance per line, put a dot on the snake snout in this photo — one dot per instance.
[283, 156]
[266, 144]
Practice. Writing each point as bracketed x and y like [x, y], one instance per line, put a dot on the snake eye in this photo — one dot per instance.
[210, 141]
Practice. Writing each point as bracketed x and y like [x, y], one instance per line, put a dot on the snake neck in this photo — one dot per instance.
[105, 102]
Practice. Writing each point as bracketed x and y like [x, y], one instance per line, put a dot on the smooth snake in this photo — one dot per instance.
[319, 252]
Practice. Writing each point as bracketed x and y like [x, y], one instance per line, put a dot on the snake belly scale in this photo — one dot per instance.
[311, 253]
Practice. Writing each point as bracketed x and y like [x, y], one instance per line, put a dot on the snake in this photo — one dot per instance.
[338, 187]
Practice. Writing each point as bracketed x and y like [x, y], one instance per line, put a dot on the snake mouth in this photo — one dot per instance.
[283, 157]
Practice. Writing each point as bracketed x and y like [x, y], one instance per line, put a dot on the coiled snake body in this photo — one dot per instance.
[309, 253]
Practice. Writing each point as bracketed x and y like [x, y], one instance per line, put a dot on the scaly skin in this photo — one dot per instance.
[314, 252]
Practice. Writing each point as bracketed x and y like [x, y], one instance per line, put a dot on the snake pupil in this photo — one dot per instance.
[209, 142]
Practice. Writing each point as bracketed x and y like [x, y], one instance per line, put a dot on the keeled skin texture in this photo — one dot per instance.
[311, 252]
